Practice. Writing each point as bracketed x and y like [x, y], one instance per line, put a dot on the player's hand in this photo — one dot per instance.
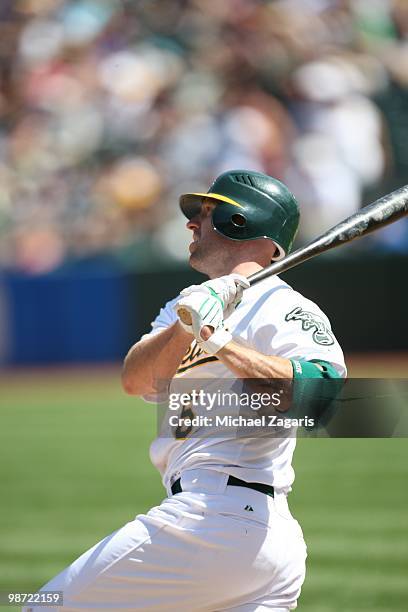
[207, 321]
[205, 309]
[228, 288]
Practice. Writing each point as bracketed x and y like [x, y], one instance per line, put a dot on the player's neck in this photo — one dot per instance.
[245, 268]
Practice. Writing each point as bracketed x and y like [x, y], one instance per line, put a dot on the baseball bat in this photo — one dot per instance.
[372, 217]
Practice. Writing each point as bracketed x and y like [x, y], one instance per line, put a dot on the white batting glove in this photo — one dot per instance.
[203, 307]
[228, 288]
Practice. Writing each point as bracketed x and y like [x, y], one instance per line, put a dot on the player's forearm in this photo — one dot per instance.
[247, 363]
[153, 361]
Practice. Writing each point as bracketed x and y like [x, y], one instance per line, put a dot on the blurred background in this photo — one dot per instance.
[109, 109]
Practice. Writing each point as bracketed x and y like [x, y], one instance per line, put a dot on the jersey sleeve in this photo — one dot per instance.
[289, 325]
[164, 319]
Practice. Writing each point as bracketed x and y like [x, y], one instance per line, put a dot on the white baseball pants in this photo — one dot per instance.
[210, 548]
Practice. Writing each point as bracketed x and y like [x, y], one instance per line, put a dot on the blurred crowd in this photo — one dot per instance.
[109, 109]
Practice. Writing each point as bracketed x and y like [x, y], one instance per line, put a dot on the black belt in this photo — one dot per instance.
[235, 482]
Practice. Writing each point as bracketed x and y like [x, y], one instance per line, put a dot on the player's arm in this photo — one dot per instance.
[305, 382]
[248, 363]
[154, 360]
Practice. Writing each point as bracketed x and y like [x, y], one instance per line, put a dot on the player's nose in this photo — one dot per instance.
[193, 223]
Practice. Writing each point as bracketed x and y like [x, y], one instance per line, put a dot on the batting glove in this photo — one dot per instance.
[228, 288]
[204, 309]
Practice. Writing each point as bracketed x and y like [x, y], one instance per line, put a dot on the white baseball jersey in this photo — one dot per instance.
[274, 320]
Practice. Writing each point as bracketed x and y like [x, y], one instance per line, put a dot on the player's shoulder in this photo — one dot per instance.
[289, 324]
[266, 290]
[300, 305]
[278, 291]
[275, 298]
[274, 290]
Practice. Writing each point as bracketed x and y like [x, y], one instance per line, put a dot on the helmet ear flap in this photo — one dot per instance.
[231, 221]
[238, 220]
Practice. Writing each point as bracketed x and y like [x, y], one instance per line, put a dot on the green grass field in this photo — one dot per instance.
[74, 467]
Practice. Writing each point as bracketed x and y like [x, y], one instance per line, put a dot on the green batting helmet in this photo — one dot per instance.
[251, 205]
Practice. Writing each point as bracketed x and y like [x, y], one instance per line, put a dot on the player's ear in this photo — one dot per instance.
[276, 253]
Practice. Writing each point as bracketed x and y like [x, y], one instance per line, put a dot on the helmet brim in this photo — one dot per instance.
[190, 203]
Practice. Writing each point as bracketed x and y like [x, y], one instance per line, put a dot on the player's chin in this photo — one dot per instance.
[195, 250]
[193, 260]
[192, 247]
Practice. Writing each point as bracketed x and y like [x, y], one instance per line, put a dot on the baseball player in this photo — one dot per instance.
[223, 538]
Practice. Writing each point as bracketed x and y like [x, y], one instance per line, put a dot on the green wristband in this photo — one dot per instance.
[315, 368]
[316, 384]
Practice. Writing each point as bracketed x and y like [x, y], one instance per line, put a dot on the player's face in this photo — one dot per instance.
[207, 249]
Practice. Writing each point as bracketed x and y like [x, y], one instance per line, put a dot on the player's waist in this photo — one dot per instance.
[257, 496]
[212, 482]
[232, 481]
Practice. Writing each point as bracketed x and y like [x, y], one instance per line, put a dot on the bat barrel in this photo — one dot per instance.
[386, 210]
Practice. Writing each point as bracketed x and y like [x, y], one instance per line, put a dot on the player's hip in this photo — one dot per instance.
[210, 510]
[210, 492]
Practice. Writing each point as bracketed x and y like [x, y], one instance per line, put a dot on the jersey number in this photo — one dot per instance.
[183, 431]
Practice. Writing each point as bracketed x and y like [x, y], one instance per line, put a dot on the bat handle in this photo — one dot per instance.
[185, 315]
